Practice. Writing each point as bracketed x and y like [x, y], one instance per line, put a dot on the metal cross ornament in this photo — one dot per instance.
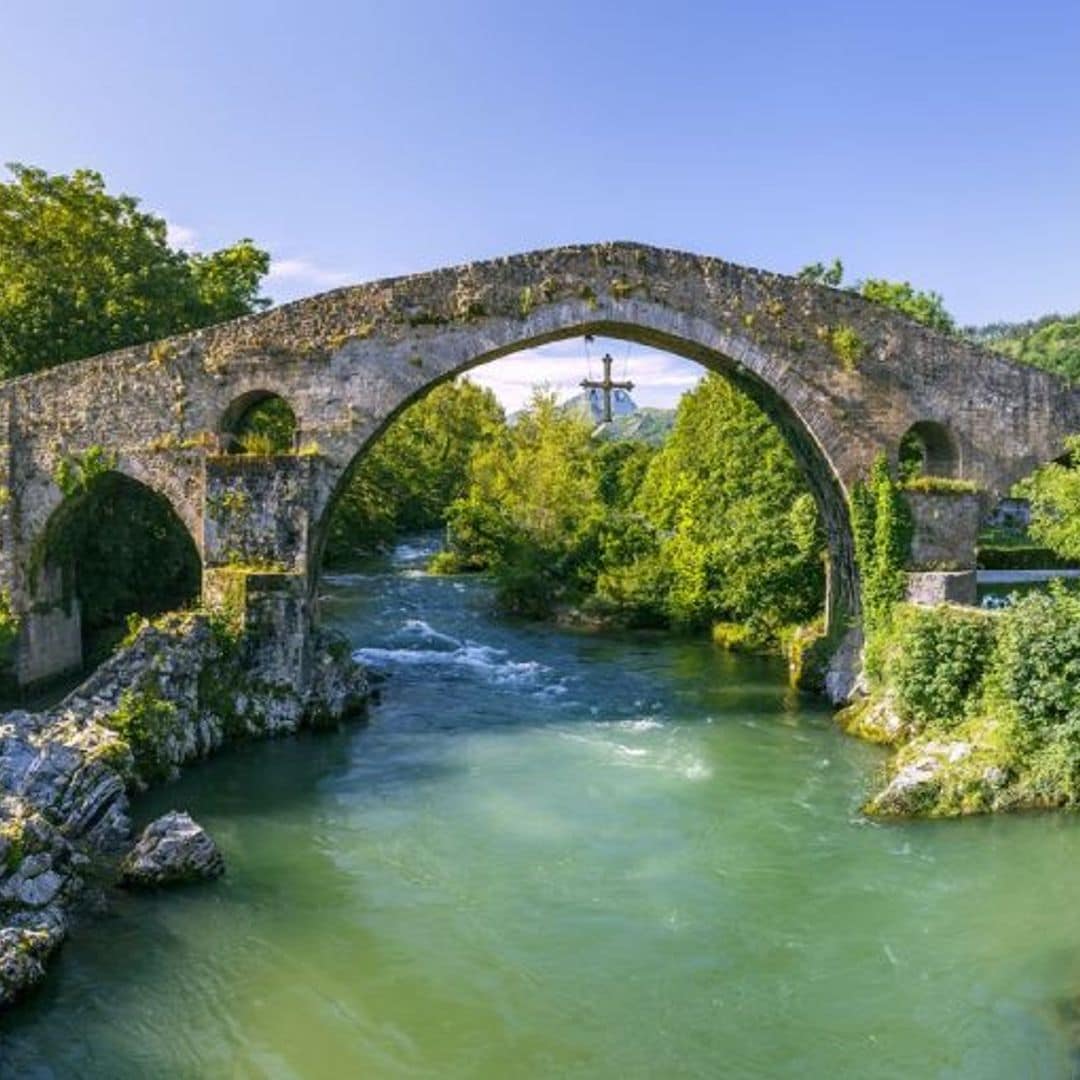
[607, 385]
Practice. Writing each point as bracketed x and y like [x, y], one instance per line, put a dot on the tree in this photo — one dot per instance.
[927, 308]
[1054, 491]
[419, 466]
[532, 513]
[731, 532]
[83, 271]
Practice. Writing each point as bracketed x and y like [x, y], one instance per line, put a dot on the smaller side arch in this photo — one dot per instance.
[259, 421]
[928, 448]
[111, 548]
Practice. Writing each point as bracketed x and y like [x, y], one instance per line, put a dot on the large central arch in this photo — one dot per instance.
[842, 591]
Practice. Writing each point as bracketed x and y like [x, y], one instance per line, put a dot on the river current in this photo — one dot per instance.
[558, 854]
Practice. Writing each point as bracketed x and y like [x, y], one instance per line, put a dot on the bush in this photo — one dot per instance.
[940, 656]
[1036, 669]
[147, 722]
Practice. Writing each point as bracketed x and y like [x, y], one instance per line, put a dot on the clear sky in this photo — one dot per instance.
[935, 142]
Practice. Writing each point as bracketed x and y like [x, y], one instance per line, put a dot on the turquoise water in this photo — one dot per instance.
[562, 855]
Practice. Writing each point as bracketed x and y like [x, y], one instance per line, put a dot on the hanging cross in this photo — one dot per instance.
[607, 386]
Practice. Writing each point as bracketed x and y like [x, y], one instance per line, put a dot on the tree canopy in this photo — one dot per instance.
[927, 308]
[83, 271]
[1054, 491]
[415, 470]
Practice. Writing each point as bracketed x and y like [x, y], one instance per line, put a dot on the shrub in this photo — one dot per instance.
[1036, 670]
[146, 721]
[940, 656]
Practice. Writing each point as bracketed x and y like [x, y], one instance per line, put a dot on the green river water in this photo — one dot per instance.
[564, 855]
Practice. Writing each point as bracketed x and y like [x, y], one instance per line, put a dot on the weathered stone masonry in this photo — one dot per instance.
[844, 379]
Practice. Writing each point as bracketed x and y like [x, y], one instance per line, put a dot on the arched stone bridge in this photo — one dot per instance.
[843, 378]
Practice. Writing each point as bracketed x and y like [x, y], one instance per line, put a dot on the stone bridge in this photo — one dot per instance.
[842, 378]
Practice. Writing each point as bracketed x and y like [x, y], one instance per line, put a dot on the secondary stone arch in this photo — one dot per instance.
[84, 539]
[239, 414]
[751, 370]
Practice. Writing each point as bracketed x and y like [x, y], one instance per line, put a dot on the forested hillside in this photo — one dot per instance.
[1052, 342]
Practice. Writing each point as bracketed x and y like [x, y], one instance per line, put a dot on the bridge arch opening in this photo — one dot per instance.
[259, 422]
[112, 549]
[928, 448]
[822, 483]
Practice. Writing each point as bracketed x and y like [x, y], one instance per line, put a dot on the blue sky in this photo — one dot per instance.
[935, 142]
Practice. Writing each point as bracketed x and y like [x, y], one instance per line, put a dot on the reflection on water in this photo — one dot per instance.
[556, 854]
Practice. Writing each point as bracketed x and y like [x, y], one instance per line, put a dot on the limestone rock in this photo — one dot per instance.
[918, 782]
[23, 953]
[171, 850]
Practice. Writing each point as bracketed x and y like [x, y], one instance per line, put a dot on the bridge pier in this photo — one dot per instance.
[941, 566]
[50, 632]
[258, 551]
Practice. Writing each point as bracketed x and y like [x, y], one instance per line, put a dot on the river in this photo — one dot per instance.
[556, 854]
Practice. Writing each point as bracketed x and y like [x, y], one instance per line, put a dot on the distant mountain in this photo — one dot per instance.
[1052, 342]
[647, 424]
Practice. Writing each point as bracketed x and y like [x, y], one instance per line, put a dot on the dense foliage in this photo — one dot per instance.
[1054, 491]
[938, 662]
[881, 527]
[120, 549]
[715, 526]
[1052, 343]
[409, 477]
[988, 705]
[927, 308]
[268, 427]
[83, 271]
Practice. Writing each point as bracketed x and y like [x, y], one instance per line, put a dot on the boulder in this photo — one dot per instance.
[171, 850]
[23, 952]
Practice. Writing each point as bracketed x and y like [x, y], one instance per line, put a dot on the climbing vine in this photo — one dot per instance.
[881, 525]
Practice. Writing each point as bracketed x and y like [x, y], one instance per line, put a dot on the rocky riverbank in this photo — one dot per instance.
[176, 692]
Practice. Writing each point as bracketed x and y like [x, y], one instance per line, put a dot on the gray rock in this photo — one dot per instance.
[23, 952]
[171, 850]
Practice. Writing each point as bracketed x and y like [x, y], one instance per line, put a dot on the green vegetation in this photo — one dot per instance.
[414, 471]
[1054, 491]
[120, 549]
[987, 705]
[146, 722]
[881, 527]
[940, 485]
[927, 308]
[683, 536]
[1052, 342]
[984, 706]
[267, 427]
[847, 346]
[83, 271]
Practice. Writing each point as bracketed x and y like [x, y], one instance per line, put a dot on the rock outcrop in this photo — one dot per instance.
[172, 850]
[179, 690]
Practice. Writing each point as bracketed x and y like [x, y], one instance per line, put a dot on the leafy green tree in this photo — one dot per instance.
[820, 274]
[532, 513]
[268, 427]
[927, 308]
[1054, 491]
[83, 271]
[1053, 344]
[734, 531]
[415, 470]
